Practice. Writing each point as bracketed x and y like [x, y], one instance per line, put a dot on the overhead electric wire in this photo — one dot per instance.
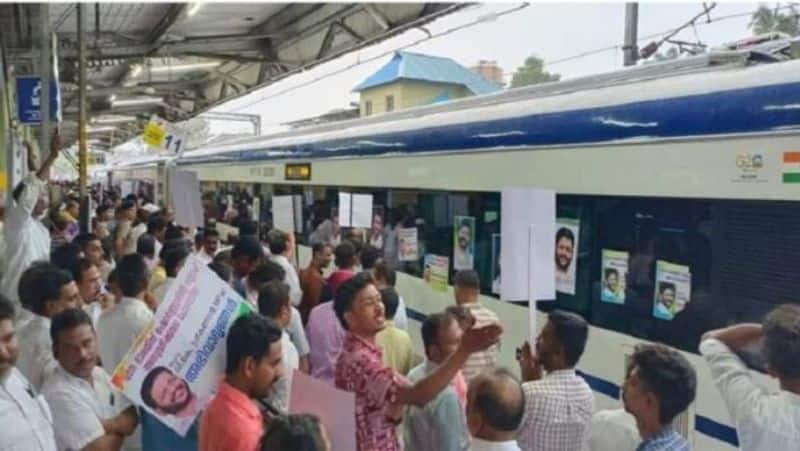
[483, 19]
[429, 36]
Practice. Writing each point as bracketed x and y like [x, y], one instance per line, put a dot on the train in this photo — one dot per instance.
[693, 163]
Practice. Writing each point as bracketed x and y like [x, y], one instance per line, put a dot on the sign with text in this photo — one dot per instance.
[174, 368]
[29, 100]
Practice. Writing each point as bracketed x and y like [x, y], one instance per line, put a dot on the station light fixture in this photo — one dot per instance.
[137, 101]
[184, 67]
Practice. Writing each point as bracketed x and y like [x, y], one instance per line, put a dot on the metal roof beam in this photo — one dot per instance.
[379, 18]
[238, 43]
[166, 23]
[327, 41]
[349, 30]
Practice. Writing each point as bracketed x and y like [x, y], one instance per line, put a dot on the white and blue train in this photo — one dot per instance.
[695, 162]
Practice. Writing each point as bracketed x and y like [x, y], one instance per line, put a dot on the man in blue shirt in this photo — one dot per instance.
[659, 386]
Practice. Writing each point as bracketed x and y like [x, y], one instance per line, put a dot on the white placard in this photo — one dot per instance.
[521, 209]
[345, 202]
[186, 198]
[362, 210]
[298, 212]
[283, 213]
[336, 409]
[256, 214]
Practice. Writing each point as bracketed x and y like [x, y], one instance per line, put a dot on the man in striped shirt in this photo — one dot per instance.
[467, 286]
[659, 386]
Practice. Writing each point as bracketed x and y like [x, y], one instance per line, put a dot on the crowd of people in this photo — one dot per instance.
[73, 304]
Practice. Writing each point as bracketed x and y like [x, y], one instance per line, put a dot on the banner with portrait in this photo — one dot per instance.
[436, 271]
[174, 367]
[614, 273]
[407, 243]
[673, 289]
[566, 257]
[463, 243]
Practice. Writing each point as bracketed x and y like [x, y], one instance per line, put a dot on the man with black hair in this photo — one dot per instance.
[66, 256]
[87, 412]
[660, 384]
[124, 239]
[92, 248]
[27, 239]
[25, 416]
[439, 425]
[380, 391]
[386, 276]
[270, 271]
[146, 247]
[273, 302]
[173, 259]
[231, 421]
[157, 228]
[467, 291]
[311, 278]
[281, 246]
[345, 259]
[245, 256]
[765, 420]
[295, 433]
[495, 406]
[558, 405]
[398, 352]
[118, 327]
[223, 270]
[44, 290]
[90, 284]
[370, 255]
[209, 245]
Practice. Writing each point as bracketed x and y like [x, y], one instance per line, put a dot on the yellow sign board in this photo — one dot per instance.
[154, 134]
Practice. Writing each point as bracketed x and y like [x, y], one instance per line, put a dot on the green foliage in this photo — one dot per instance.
[768, 20]
[531, 73]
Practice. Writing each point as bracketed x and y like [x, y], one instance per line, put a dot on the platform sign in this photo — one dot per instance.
[154, 134]
[29, 100]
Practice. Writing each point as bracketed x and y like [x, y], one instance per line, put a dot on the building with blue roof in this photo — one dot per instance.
[413, 79]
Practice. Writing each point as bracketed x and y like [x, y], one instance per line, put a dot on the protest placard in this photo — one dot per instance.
[182, 350]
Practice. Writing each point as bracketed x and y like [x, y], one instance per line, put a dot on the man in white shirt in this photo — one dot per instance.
[209, 247]
[25, 416]
[273, 302]
[118, 328]
[558, 405]
[173, 256]
[279, 247]
[495, 405]
[764, 421]
[27, 239]
[87, 413]
[45, 290]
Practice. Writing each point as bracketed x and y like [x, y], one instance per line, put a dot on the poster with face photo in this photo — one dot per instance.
[566, 257]
[673, 289]
[614, 272]
[376, 231]
[496, 264]
[463, 243]
[407, 244]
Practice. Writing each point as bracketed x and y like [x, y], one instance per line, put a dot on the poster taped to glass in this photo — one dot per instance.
[407, 244]
[673, 289]
[567, 232]
[614, 273]
[436, 269]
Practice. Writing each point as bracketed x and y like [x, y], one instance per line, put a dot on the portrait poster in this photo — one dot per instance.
[183, 348]
[376, 231]
[407, 244]
[566, 255]
[463, 243]
[613, 275]
[496, 264]
[436, 271]
[673, 289]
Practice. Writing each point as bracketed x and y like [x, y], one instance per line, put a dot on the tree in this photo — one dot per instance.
[766, 20]
[531, 73]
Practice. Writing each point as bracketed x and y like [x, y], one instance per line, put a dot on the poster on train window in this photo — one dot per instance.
[566, 256]
[407, 243]
[174, 367]
[673, 289]
[376, 231]
[614, 272]
[496, 264]
[463, 243]
[436, 271]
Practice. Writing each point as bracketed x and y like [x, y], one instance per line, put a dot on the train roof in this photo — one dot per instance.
[728, 92]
